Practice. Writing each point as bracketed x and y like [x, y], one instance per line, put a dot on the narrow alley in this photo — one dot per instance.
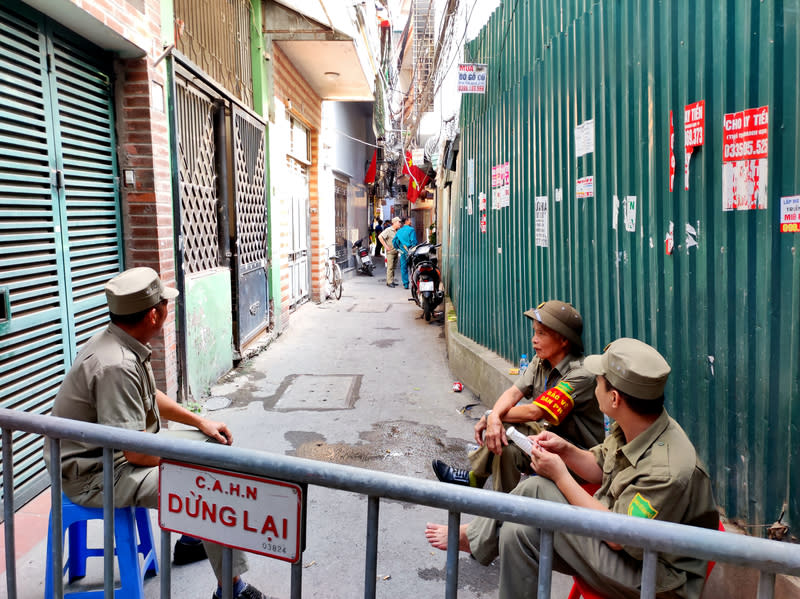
[362, 381]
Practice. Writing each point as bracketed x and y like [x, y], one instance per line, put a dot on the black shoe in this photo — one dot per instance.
[248, 592]
[391, 284]
[187, 551]
[448, 474]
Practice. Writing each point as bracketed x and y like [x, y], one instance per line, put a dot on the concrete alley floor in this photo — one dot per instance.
[362, 381]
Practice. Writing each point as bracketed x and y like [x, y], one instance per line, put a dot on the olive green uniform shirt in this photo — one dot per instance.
[583, 426]
[111, 383]
[657, 475]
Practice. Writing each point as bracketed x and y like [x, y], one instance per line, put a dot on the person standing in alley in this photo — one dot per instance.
[386, 237]
[562, 394]
[647, 468]
[405, 238]
[111, 382]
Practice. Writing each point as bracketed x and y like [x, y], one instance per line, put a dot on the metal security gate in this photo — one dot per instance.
[299, 272]
[59, 215]
[251, 259]
[340, 231]
[195, 107]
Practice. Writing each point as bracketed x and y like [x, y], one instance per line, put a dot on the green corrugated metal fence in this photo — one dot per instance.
[723, 306]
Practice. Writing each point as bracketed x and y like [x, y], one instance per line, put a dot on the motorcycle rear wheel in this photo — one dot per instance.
[426, 309]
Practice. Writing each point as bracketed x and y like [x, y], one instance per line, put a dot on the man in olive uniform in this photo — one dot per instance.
[563, 398]
[386, 237]
[647, 467]
[112, 383]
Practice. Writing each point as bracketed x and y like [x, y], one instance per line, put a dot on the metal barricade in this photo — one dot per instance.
[769, 557]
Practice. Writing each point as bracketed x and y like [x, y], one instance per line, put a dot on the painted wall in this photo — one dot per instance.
[209, 337]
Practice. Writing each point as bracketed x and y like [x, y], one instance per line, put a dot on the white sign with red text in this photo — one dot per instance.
[472, 78]
[259, 515]
[694, 133]
[745, 145]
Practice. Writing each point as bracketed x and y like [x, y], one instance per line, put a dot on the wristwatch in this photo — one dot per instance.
[486, 414]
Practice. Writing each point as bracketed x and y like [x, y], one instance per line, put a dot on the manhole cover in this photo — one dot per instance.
[318, 392]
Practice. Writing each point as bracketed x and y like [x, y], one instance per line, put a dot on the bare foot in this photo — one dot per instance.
[437, 536]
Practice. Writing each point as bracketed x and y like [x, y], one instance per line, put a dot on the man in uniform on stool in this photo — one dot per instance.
[563, 399]
[111, 382]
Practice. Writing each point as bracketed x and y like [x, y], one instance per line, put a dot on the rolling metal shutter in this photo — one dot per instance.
[59, 216]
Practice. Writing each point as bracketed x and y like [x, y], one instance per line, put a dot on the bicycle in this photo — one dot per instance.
[333, 275]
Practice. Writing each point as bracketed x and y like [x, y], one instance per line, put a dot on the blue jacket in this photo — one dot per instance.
[405, 238]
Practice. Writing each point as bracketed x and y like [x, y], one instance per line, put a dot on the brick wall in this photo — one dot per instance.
[143, 147]
[303, 103]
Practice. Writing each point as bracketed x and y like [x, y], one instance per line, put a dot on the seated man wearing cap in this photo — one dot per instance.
[647, 467]
[563, 396]
[112, 383]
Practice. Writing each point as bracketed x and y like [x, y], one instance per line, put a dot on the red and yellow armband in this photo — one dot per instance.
[557, 401]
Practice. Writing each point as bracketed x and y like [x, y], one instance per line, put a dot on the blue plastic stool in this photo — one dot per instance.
[128, 521]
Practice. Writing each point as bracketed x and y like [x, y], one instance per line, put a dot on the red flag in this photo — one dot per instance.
[370, 176]
[418, 179]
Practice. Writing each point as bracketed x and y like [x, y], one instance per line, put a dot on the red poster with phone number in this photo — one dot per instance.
[745, 135]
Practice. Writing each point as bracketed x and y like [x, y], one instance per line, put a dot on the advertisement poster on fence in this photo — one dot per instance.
[584, 138]
[542, 232]
[671, 153]
[629, 214]
[744, 159]
[471, 177]
[790, 214]
[584, 187]
[472, 78]
[694, 133]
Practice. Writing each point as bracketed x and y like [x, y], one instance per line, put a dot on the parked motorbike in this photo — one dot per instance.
[364, 263]
[425, 277]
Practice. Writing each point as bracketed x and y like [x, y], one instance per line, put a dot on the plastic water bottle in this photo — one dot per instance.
[523, 363]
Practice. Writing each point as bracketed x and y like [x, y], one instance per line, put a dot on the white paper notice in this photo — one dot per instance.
[584, 138]
[630, 214]
[542, 222]
[615, 213]
[558, 194]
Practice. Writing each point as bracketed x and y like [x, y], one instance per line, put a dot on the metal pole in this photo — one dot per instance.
[166, 566]
[766, 585]
[453, 538]
[56, 521]
[649, 564]
[8, 513]
[371, 567]
[545, 562]
[108, 523]
[297, 580]
[227, 573]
